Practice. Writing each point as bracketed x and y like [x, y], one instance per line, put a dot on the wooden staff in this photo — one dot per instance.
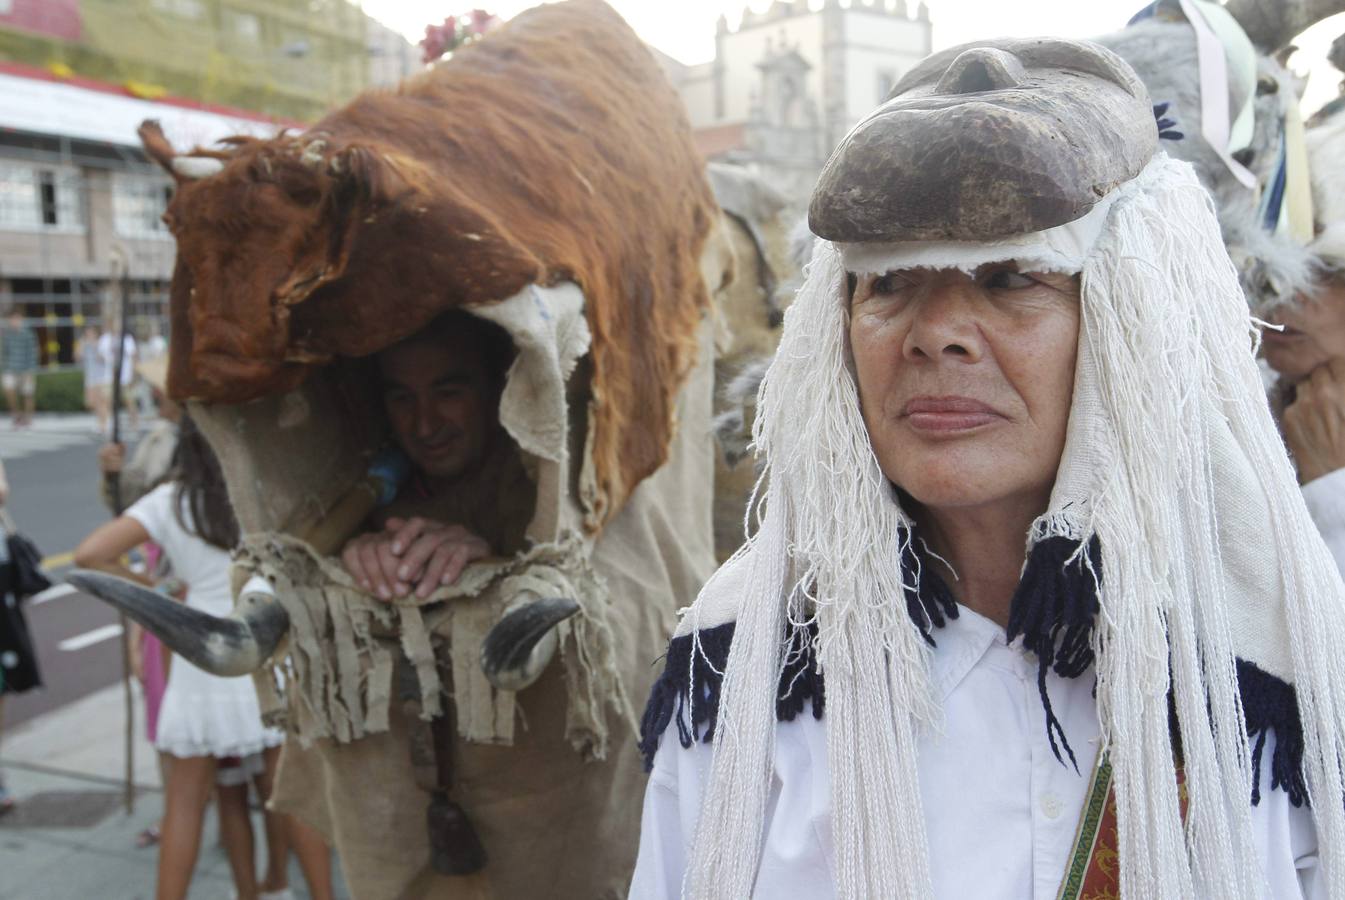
[119, 262]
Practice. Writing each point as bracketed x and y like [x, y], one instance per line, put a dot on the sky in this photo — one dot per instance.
[684, 29]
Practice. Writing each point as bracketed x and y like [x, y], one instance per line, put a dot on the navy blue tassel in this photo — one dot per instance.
[670, 698]
[932, 604]
[1272, 705]
[1053, 610]
[1167, 128]
[800, 680]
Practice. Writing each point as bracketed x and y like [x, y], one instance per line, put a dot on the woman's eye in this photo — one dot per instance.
[1008, 280]
[890, 283]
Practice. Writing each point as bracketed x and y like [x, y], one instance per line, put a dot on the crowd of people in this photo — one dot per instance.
[96, 353]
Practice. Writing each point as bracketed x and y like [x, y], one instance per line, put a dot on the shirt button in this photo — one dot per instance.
[1050, 806]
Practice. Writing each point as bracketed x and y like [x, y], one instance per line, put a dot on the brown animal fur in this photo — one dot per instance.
[552, 150]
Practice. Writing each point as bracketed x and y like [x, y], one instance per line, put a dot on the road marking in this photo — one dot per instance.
[89, 638]
[55, 592]
[57, 560]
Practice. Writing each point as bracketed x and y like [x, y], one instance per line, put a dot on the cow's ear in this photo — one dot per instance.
[359, 183]
[371, 175]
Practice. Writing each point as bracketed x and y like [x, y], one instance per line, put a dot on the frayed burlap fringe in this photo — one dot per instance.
[334, 677]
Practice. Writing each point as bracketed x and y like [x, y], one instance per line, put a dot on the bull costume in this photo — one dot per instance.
[1164, 715]
[480, 742]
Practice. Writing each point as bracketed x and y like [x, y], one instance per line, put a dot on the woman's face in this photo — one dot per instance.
[966, 382]
[1314, 331]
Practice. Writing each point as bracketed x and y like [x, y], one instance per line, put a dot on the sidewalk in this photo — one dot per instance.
[70, 835]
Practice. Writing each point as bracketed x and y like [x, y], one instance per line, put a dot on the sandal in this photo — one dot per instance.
[147, 838]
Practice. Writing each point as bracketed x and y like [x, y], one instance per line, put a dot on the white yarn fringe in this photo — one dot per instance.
[1165, 324]
[829, 546]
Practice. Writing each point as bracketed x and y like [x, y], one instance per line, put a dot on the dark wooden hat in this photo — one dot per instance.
[988, 140]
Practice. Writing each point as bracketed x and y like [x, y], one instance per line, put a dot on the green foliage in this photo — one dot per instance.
[60, 390]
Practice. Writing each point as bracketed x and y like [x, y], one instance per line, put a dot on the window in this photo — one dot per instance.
[138, 203]
[243, 26]
[886, 79]
[41, 198]
[187, 9]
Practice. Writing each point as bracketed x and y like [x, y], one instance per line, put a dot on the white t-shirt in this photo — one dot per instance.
[204, 567]
[1325, 498]
[107, 348]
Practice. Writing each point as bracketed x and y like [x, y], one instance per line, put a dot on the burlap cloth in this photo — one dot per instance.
[556, 822]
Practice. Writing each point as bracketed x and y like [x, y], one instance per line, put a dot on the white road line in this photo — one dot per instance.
[89, 638]
[55, 592]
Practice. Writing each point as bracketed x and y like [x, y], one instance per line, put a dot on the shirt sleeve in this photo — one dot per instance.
[663, 836]
[1325, 499]
[154, 511]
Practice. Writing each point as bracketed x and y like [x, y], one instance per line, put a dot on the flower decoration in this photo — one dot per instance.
[454, 32]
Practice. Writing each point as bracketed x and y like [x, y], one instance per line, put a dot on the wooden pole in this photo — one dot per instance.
[114, 485]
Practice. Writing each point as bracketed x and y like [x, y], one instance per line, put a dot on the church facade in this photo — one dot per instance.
[788, 83]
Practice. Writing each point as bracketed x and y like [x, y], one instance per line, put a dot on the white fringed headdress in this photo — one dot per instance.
[1174, 506]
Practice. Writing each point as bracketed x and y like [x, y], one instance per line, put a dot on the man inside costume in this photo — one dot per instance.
[469, 496]
[1034, 607]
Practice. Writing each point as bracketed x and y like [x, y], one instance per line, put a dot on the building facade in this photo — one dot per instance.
[788, 83]
[80, 204]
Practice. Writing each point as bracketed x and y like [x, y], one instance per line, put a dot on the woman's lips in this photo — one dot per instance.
[948, 415]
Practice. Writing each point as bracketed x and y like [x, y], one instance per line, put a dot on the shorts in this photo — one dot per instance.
[24, 382]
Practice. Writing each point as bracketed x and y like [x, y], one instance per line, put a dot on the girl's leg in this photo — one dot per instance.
[315, 859]
[277, 876]
[235, 828]
[190, 782]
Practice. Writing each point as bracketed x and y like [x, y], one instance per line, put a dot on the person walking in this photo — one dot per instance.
[107, 347]
[18, 368]
[203, 718]
[97, 377]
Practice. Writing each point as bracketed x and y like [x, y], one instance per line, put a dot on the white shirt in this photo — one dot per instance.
[107, 348]
[1001, 813]
[204, 567]
[1325, 499]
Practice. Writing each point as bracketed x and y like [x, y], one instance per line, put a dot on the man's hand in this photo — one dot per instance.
[407, 553]
[111, 458]
[1314, 424]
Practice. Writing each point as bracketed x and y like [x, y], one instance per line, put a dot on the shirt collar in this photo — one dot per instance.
[959, 646]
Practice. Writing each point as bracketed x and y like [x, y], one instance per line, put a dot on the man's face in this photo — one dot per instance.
[1314, 331]
[440, 403]
[966, 382]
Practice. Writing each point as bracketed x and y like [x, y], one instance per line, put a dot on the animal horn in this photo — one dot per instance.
[194, 168]
[237, 644]
[521, 644]
[1274, 25]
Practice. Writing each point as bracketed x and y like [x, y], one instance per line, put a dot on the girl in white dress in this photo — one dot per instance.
[204, 718]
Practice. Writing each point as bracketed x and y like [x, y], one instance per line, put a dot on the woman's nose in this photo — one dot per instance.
[944, 327]
[427, 419]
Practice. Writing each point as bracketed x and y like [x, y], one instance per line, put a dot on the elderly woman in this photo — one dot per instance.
[1028, 530]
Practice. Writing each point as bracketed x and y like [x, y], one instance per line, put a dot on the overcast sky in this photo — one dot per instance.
[684, 29]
